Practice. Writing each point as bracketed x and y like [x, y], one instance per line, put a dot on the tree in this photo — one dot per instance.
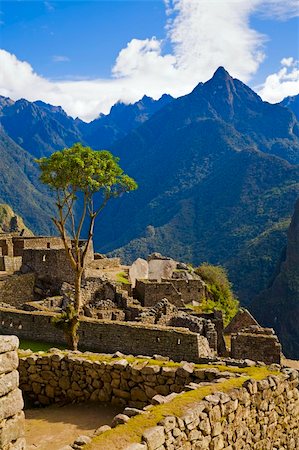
[76, 174]
[220, 295]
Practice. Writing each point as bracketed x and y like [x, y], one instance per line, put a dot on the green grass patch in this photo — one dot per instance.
[122, 277]
[132, 431]
[35, 346]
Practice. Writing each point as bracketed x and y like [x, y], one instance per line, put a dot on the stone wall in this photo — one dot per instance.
[58, 377]
[10, 264]
[256, 343]
[149, 293]
[178, 292]
[11, 401]
[191, 290]
[49, 265]
[109, 337]
[260, 415]
[17, 289]
[35, 242]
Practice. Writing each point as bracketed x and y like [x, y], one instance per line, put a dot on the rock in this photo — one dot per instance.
[8, 382]
[82, 440]
[154, 437]
[14, 429]
[101, 430]
[8, 361]
[138, 271]
[169, 423]
[160, 268]
[121, 364]
[138, 394]
[185, 370]
[11, 404]
[118, 355]
[213, 398]
[131, 412]
[119, 420]
[8, 344]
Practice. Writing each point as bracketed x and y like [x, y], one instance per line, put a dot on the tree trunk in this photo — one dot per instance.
[74, 323]
[78, 280]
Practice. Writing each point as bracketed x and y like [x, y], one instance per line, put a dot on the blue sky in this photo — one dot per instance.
[85, 55]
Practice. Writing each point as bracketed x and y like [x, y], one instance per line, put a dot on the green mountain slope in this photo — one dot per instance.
[278, 306]
[20, 187]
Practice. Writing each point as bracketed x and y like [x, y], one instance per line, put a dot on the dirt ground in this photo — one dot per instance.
[53, 427]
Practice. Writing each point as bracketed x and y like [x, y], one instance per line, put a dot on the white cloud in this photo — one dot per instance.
[60, 58]
[202, 35]
[283, 83]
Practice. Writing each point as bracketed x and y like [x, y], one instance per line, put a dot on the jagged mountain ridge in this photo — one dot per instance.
[41, 128]
[120, 121]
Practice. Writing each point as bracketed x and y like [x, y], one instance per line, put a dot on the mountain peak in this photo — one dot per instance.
[221, 73]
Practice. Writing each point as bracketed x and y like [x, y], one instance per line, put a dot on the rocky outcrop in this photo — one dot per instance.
[278, 306]
[11, 222]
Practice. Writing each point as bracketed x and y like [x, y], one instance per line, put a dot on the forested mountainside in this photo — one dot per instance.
[278, 306]
[292, 103]
[20, 187]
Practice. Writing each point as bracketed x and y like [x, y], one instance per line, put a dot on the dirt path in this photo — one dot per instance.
[53, 427]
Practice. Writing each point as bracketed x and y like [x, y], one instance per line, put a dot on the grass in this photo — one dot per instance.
[122, 277]
[37, 346]
[132, 431]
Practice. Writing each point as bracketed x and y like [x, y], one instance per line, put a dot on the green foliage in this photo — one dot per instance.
[220, 294]
[77, 173]
[82, 169]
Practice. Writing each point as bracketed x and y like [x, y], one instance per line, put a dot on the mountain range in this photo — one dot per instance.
[218, 175]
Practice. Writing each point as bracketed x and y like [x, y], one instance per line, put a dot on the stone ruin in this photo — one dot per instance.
[256, 343]
[159, 291]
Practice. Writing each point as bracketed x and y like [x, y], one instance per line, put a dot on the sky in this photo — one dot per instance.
[87, 55]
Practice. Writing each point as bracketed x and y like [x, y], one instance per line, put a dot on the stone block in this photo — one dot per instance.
[154, 437]
[8, 343]
[138, 271]
[160, 268]
[8, 382]
[8, 361]
[11, 404]
[13, 428]
[19, 444]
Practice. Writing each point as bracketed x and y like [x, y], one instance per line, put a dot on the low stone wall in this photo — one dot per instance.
[258, 416]
[11, 401]
[17, 289]
[60, 377]
[108, 337]
[256, 343]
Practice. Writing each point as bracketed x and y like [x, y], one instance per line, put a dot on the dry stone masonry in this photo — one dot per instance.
[259, 344]
[60, 377]
[11, 401]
